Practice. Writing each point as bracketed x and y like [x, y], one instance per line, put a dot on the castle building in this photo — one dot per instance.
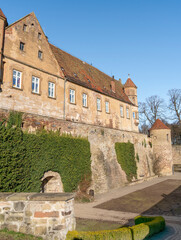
[38, 78]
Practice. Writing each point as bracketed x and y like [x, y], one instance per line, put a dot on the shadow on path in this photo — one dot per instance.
[160, 199]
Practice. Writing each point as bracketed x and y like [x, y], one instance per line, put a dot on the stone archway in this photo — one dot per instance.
[51, 182]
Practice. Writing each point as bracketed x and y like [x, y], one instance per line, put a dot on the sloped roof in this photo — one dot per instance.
[2, 14]
[159, 125]
[129, 83]
[84, 74]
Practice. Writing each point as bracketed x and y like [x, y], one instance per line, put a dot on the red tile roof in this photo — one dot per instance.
[2, 14]
[159, 125]
[84, 74]
[129, 83]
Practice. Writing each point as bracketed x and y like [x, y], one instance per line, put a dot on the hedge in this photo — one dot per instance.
[121, 233]
[24, 158]
[126, 158]
[149, 226]
[144, 228]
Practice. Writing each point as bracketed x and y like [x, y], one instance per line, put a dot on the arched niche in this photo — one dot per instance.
[51, 182]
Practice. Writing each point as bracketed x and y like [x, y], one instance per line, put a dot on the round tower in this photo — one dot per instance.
[131, 90]
[162, 148]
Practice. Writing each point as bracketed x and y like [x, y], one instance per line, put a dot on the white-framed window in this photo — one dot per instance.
[72, 96]
[121, 111]
[35, 84]
[107, 106]
[17, 79]
[84, 100]
[98, 104]
[51, 89]
[134, 116]
[40, 54]
[127, 112]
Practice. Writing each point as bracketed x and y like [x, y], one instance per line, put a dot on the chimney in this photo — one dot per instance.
[113, 88]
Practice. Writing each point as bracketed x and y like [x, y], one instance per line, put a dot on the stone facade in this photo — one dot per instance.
[21, 43]
[50, 216]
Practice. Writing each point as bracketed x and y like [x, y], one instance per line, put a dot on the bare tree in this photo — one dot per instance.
[175, 104]
[151, 109]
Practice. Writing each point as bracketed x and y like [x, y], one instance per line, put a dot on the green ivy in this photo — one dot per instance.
[126, 157]
[15, 119]
[24, 158]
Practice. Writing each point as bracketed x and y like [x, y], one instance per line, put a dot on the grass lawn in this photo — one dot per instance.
[95, 225]
[81, 225]
[10, 235]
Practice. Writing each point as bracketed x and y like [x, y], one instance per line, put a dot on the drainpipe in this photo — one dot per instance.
[65, 80]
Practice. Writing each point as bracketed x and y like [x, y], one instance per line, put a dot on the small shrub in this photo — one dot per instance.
[137, 157]
[102, 132]
[150, 143]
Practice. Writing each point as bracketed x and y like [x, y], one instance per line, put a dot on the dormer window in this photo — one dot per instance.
[25, 28]
[40, 54]
[22, 46]
[39, 36]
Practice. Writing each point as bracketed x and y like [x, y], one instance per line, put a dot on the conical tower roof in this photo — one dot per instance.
[129, 83]
[159, 125]
[2, 14]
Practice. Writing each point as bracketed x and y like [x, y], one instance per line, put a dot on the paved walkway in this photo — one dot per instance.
[88, 210]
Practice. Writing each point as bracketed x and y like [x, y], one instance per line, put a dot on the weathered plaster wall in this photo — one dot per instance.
[176, 151]
[49, 215]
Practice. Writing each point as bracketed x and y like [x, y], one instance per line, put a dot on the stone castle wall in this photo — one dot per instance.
[106, 171]
[48, 215]
[162, 150]
[176, 150]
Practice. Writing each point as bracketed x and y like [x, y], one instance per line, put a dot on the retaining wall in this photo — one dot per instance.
[49, 215]
[176, 151]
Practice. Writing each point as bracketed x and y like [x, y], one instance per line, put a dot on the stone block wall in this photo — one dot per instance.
[49, 215]
[106, 171]
[176, 151]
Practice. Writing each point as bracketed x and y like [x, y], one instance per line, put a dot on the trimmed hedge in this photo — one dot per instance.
[126, 158]
[121, 233]
[149, 226]
[24, 158]
[144, 228]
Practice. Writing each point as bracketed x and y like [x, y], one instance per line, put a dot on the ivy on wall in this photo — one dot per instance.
[24, 158]
[126, 157]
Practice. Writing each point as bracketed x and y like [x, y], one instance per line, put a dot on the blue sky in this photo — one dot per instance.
[139, 37]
